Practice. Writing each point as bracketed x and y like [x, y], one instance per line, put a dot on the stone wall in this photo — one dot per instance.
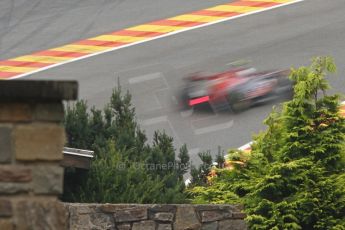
[155, 217]
[31, 142]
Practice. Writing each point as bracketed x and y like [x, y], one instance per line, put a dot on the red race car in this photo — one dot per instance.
[237, 88]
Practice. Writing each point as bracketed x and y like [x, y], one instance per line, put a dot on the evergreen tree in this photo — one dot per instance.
[294, 178]
[125, 168]
[298, 190]
[183, 161]
[199, 174]
[77, 125]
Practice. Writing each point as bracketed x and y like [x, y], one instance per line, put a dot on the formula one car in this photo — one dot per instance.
[236, 89]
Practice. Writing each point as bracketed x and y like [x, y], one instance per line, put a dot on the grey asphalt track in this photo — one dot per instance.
[32, 25]
[153, 71]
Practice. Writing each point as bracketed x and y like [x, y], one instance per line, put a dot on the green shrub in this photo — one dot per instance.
[295, 176]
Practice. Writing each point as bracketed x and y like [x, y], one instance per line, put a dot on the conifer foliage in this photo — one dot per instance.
[125, 169]
[294, 178]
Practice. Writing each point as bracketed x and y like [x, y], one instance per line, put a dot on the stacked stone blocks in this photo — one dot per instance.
[31, 142]
[155, 217]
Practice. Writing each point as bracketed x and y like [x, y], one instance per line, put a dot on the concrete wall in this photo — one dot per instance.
[31, 178]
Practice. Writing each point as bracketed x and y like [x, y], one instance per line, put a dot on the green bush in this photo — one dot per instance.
[295, 176]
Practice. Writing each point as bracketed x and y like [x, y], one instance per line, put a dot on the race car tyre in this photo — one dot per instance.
[240, 106]
[238, 103]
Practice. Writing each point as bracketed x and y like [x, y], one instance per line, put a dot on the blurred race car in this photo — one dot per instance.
[237, 88]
